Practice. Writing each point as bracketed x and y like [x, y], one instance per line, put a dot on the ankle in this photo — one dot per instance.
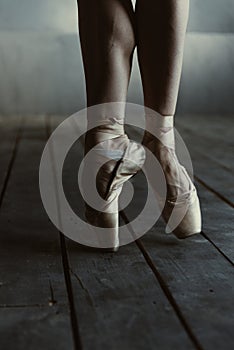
[103, 129]
[159, 131]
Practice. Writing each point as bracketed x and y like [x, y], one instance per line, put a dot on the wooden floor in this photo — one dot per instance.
[157, 293]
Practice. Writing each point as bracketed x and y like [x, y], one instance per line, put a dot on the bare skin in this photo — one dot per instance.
[161, 27]
[107, 41]
[110, 30]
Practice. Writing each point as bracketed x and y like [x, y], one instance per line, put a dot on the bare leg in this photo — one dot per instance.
[107, 41]
[161, 28]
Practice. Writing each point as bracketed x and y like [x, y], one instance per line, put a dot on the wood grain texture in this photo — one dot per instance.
[9, 134]
[198, 279]
[35, 328]
[210, 142]
[201, 282]
[120, 303]
[198, 272]
[32, 290]
[158, 293]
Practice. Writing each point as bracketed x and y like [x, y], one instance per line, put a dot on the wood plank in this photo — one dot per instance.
[198, 277]
[218, 219]
[9, 129]
[119, 302]
[214, 131]
[34, 127]
[207, 167]
[217, 215]
[201, 281]
[213, 163]
[32, 281]
[34, 328]
[211, 144]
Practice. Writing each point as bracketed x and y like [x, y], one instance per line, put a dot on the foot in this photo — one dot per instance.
[181, 211]
[113, 159]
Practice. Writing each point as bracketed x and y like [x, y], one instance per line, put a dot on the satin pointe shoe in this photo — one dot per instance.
[112, 160]
[181, 208]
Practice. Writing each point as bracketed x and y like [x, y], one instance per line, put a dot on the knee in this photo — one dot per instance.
[121, 38]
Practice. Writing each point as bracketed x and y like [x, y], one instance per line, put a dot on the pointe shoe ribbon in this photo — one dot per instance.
[181, 213]
[113, 161]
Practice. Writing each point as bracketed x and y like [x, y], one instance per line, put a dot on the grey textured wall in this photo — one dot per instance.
[41, 67]
[207, 79]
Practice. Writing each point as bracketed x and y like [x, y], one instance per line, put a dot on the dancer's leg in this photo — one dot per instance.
[161, 28]
[108, 41]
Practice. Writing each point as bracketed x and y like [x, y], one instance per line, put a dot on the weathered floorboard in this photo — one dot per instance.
[217, 221]
[161, 293]
[212, 148]
[218, 214]
[32, 292]
[35, 328]
[201, 282]
[118, 300]
[9, 133]
[120, 303]
[197, 278]
[210, 141]
[213, 135]
[196, 274]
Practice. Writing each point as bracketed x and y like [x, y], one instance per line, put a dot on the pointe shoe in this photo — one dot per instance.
[113, 160]
[181, 213]
[183, 216]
